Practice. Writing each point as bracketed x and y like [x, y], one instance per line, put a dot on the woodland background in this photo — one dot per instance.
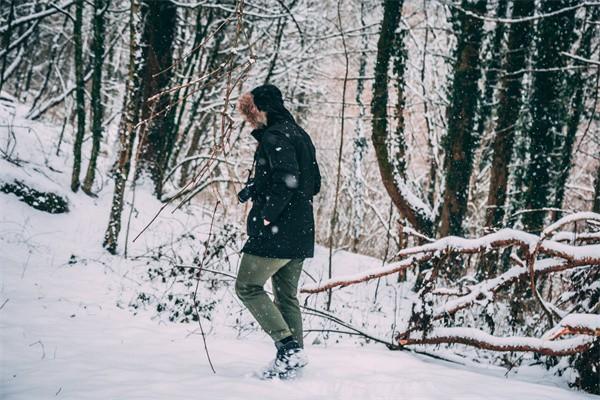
[432, 119]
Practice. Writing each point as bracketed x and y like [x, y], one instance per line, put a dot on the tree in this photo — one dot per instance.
[596, 202]
[575, 84]
[127, 128]
[6, 41]
[492, 65]
[548, 108]
[392, 174]
[461, 140]
[100, 7]
[79, 94]
[510, 103]
[157, 136]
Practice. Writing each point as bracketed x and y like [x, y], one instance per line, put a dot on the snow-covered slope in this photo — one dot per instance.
[63, 336]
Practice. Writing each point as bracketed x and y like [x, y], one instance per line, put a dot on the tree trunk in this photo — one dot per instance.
[6, 41]
[461, 139]
[100, 7]
[79, 95]
[578, 84]
[493, 58]
[548, 109]
[127, 131]
[157, 135]
[189, 71]
[359, 145]
[212, 59]
[394, 185]
[596, 202]
[510, 103]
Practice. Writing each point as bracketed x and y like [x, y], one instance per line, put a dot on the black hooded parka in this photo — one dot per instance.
[286, 177]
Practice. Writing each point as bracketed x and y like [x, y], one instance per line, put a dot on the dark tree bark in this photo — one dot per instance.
[510, 103]
[596, 203]
[548, 108]
[79, 95]
[359, 144]
[193, 62]
[461, 140]
[493, 60]
[100, 7]
[127, 130]
[6, 41]
[388, 169]
[197, 122]
[577, 84]
[157, 136]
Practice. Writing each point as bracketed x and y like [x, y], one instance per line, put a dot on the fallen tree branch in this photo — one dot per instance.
[529, 243]
[572, 324]
[483, 340]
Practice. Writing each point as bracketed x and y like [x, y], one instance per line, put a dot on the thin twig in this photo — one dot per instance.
[333, 220]
[212, 220]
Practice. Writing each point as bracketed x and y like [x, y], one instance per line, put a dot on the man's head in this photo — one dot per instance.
[262, 103]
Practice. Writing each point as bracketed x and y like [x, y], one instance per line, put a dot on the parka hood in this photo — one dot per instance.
[263, 105]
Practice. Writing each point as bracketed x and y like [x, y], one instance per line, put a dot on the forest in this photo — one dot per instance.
[458, 143]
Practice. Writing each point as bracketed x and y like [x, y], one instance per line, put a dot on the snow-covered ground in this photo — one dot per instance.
[64, 337]
[66, 330]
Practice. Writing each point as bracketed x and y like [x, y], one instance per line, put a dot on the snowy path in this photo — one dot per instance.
[63, 337]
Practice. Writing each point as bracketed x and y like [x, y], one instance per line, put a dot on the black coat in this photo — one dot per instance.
[286, 177]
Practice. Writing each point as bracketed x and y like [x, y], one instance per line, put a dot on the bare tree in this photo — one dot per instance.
[100, 7]
[460, 141]
[548, 108]
[79, 94]
[127, 127]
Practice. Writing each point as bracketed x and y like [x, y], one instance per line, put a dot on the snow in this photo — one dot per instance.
[64, 337]
[590, 321]
[491, 285]
[567, 219]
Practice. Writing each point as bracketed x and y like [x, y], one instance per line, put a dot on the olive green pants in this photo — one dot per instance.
[279, 318]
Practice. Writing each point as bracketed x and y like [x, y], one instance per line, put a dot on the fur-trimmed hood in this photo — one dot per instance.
[250, 112]
[263, 106]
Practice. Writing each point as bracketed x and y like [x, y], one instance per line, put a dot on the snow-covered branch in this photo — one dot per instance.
[478, 338]
[531, 244]
[584, 324]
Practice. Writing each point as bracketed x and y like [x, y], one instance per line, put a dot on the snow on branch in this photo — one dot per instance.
[478, 338]
[522, 19]
[581, 59]
[365, 276]
[50, 10]
[492, 285]
[568, 219]
[585, 324]
[564, 236]
[531, 244]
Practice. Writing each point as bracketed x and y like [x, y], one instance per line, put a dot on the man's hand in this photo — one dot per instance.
[266, 222]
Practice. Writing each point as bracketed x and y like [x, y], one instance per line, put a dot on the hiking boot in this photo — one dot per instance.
[290, 358]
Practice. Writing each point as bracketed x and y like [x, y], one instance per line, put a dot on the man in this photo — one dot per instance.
[280, 224]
